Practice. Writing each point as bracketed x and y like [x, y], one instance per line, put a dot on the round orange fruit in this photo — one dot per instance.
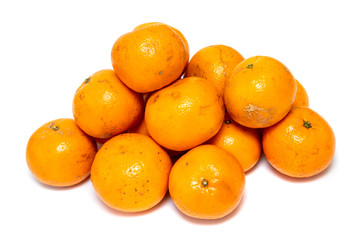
[174, 29]
[60, 154]
[301, 97]
[130, 172]
[185, 114]
[242, 142]
[104, 107]
[207, 182]
[214, 63]
[301, 145]
[149, 58]
[259, 92]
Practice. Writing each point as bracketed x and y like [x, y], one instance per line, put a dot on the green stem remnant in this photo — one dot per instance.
[55, 128]
[227, 121]
[250, 65]
[204, 182]
[307, 124]
[87, 80]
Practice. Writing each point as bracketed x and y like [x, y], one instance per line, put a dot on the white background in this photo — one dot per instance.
[47, 48]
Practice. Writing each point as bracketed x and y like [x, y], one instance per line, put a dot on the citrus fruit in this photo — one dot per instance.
[174, 29]
[242, 142]
[259, 92]
[184, 114]
[301, 145]
[214, 63]
[60, 154]
[104, 107]
[149, 58]
[130, 172]
[301, 97]
[207, 182]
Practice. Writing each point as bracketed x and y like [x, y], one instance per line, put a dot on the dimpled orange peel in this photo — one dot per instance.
[259, 92]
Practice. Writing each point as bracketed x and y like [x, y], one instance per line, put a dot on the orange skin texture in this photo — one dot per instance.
[223, 174]
[174, 29]
[103, 106]
[60, 154]
[301, 97]
[259, 92]
[214, 63]
[149, 58]
[185, 114]
[142, 129]
[242, 142]
[298, 151]
[130, 173]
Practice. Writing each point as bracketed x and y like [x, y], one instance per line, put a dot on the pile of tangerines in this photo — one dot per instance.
[157, 122]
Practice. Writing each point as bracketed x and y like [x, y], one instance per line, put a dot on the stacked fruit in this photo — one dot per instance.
[207, 115]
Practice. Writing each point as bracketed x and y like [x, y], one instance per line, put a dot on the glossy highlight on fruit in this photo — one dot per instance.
[175, 30]
[259, 92]
[301, 145]
[149, 58]
[60, 154]
[184, 114]
[130, 172]
[215, 64]
[207, 182]
[157, 123]
[242, 142]
[103, 106]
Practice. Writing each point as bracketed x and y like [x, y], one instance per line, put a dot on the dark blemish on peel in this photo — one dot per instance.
[202, 110]
[175, 95]
[155, 98]
[81, 96]
[107, 135]
[161, 72]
